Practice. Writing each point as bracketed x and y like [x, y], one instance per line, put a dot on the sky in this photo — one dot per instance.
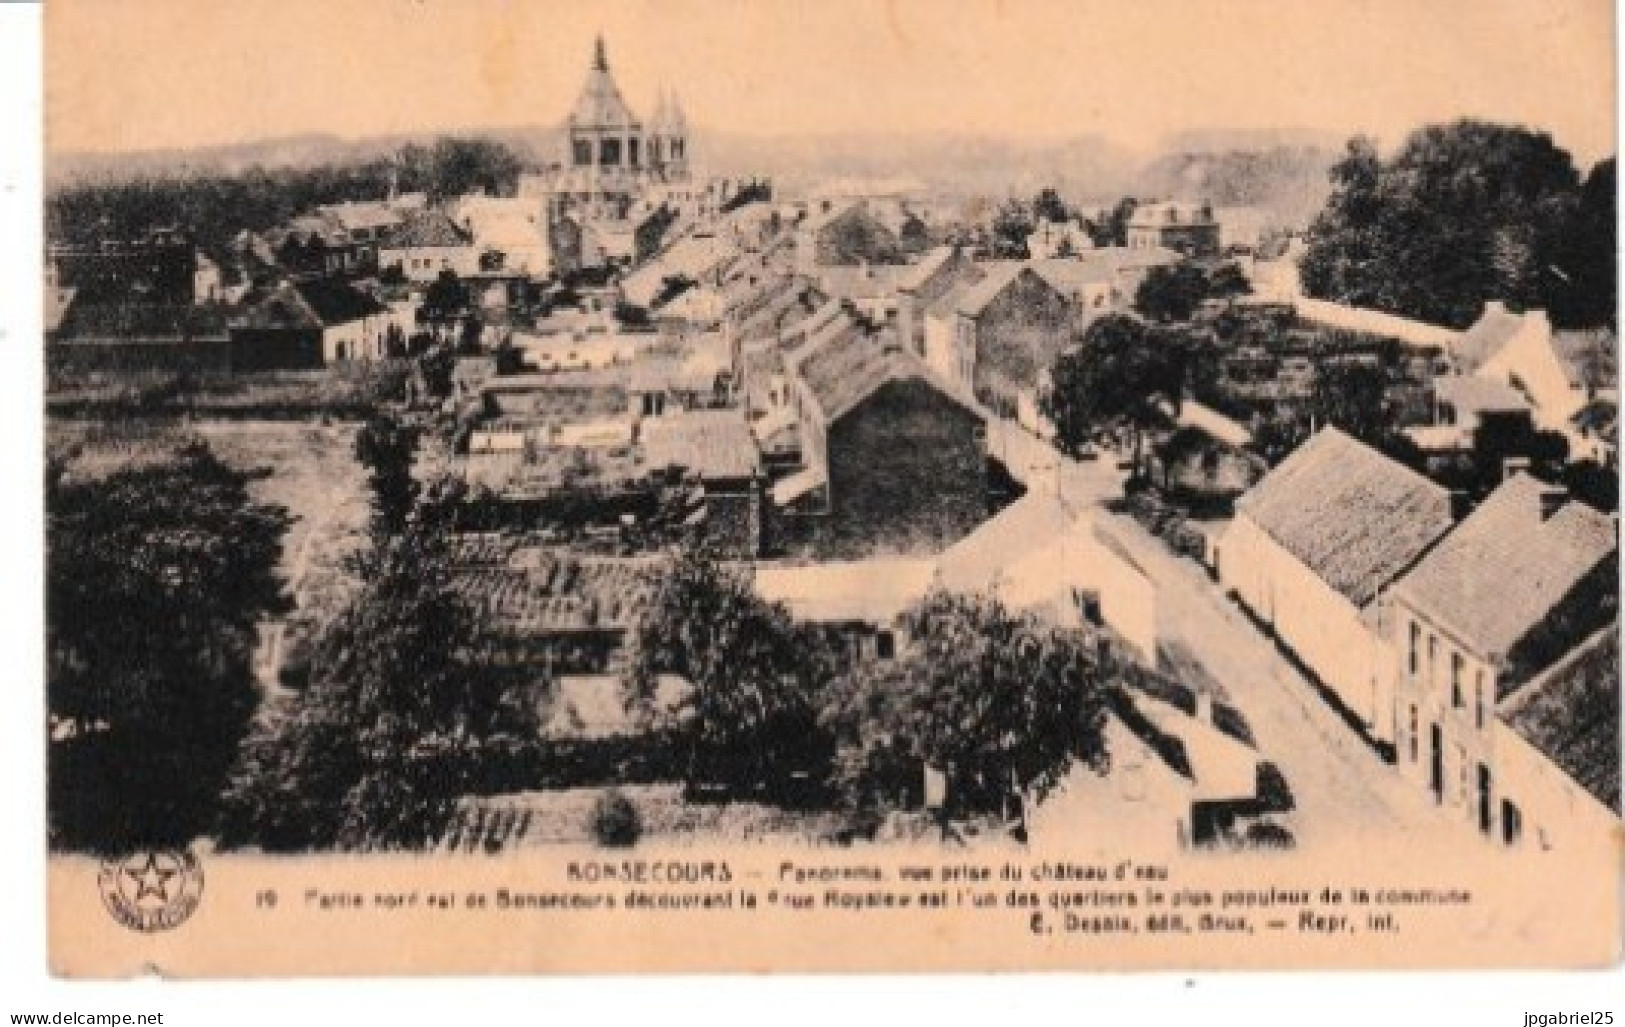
[126, 75]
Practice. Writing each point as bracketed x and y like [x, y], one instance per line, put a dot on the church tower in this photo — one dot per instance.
[606, 139]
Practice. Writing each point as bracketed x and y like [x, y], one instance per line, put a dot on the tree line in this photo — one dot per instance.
[216, 206]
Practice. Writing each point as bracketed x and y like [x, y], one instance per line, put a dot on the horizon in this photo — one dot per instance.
[1382, 68]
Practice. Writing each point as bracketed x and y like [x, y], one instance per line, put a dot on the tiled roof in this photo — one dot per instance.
[523, 588]
[1352, 516]
[846, 363]
[1571, 714]
[428, 228]
[1095, 267]
[1503, 570]
[714, 444]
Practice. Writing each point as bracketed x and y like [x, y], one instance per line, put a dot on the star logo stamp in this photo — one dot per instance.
[151, 890]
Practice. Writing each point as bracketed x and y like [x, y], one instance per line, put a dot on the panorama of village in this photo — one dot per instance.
[483, 495]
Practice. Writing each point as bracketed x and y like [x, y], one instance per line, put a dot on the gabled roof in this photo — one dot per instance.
[1485, 337]
[1352, 516]
[316, 303]
[335, 302]
[916, 275]
[976, 299]
[428, 228]
[845, 364]
[1570, 713]
[1504, 569]
[353, 215]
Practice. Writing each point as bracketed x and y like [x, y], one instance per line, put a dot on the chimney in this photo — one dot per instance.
[1461, 504]
[1204, 707]
[1513, 466]
[1494, 307]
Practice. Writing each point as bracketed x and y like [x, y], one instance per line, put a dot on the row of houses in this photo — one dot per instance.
[1438, 634]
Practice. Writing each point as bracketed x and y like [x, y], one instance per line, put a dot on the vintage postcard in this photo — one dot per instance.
[544, 486]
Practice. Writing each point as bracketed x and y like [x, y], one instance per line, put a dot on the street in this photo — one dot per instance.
[1342, 787]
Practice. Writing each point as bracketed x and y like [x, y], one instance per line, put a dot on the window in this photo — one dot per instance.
[1511, 823]
[885, 645]
[583, 152]
[1457, 666]
[1433, 658]
[1478, 700]
[1415, 734]
[1416, 648]
[609, 152]
[632, 152]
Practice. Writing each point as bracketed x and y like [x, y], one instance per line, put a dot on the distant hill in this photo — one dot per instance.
[1283, 171]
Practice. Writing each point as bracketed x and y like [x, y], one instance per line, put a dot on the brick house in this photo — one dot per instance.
[1516, 586]
[894, 459]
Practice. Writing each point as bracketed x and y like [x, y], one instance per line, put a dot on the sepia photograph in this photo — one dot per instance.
[535, 486]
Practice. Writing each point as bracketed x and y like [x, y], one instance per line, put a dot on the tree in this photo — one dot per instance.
[1112, 230]
[1586, 292]
[402, 714]
[1354, 398]
[157, 578]
[1227, 282]
[1004, 704]
[1171, 292]
[445, 299]
[1012, 224]
[754, 672]
[1463, 213]
[1048, 206]
[386, 448]
[1119, 374]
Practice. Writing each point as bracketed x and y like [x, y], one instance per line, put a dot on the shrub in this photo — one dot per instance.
[615, 822]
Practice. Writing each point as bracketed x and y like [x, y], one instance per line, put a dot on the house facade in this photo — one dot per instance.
[1312, 549]
[847, 233]
[1001, 335]
[1516, 586]
[894, 459]
[1187, 228]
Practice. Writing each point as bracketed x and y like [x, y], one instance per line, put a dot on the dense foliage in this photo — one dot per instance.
[756, 674]
[401, 716]
[1121, 373]
[1003, 704]
[215, 206]
[1464, 213]
[386, 448]
[157, 578]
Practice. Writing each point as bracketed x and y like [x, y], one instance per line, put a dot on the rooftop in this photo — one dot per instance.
[1500, 574]
[1351, 515]
[1570, 713]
